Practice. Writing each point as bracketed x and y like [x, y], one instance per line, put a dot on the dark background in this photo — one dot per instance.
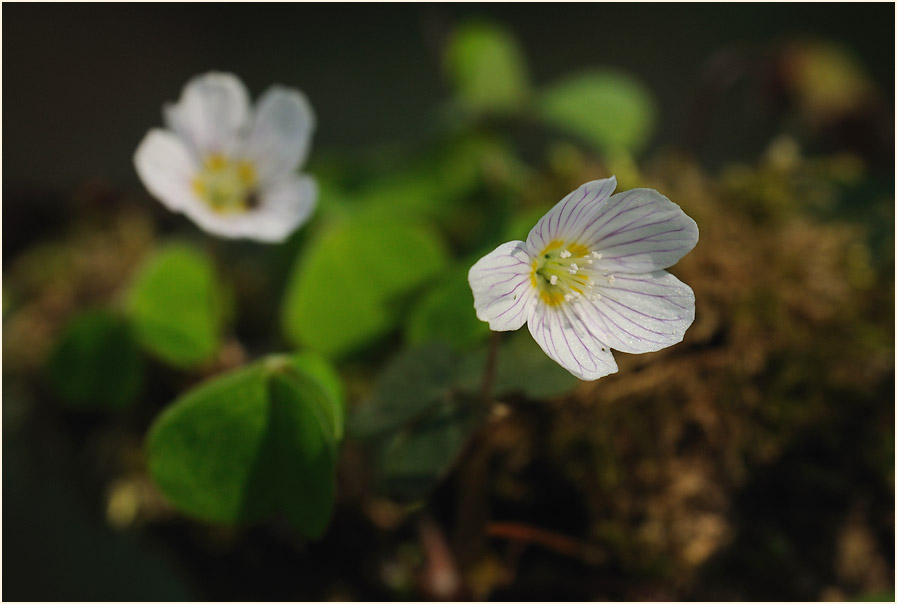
[84, 82]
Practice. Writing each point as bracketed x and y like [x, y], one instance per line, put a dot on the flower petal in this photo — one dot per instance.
[639, 231]
[282, 208]
[281, 133]
[565, 220]
[640, 313]
[167, 168]
[502, 292]
[566, 340]
[212, 111]
[285, 206]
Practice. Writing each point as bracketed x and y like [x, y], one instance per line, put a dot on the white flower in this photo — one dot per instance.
[227, 167]
[589, 278]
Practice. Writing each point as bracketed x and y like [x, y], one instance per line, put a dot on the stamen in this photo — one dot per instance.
[561, 280]
[227, 185]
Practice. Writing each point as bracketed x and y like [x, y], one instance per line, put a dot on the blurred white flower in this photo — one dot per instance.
[589, 278]
[230, 169]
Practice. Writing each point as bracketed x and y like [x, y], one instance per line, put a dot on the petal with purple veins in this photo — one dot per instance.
[566, 341]
[502, 289]
[639, 231]
[640, 313]
[564, 221]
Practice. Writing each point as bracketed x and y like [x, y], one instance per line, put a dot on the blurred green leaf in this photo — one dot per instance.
[416, 420]
[297, 464]
[202, 449]
[522, 368]
[446, 314]
[414, 381]
[177, 306]
[486, 66]
[413, 190]
[251, 443]
[611, 111]
[474, 160]
[327, 377]
[420, 183]
[97, 363]
[343, 291]
[519, 226]
[426, 404]
[416, 458]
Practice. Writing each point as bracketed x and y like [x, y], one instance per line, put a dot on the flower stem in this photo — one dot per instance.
[490, 369]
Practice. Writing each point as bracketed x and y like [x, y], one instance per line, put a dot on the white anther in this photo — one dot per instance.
[610, 279]
[566, 254]
[568, 297]
[589, 261]
[553, 280]
[573, 268]
[596, 255]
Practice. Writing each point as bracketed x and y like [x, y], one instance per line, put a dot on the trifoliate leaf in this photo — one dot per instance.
[611, 111]
[257, 441]
[343, 290]
[97, 364]
[416, 422]
[487, 68]
[522, 367]
[176, 306]
[414, 381]
[446, 314]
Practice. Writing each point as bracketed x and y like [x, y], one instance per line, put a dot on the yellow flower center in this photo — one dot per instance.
[565, 272]
[226, 185]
